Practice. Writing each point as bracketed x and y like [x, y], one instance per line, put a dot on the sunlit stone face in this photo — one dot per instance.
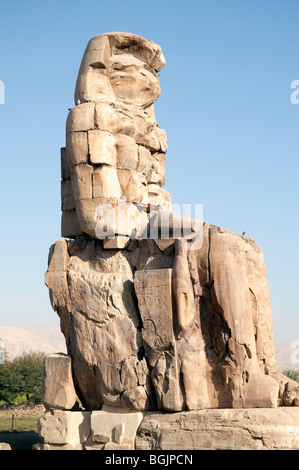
[134, 84]
[114, 147]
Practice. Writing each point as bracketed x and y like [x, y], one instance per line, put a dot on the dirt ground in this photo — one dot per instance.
[20, 440]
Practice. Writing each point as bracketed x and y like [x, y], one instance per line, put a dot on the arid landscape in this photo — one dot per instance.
[49, 339]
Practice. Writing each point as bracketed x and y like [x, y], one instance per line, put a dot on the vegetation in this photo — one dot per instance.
[19, 424]
[292, 374]
[21, 379]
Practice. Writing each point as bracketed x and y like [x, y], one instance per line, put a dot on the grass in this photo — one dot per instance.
[21, 424]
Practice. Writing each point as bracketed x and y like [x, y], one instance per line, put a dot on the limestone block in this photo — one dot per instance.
[133, 186]
[65, 172]
[55, 277]
[154, 293]
[58, 390]
[102, 147]
[43, 446]
[182, 287]
[116, 243]
[107, 50]
[70, 227]
[58, 256]
[100, 437]
[67, 197]
[77, 147]
[70, 428]
[157, 173]
[118, 433]
[159, 197]
[81, 118]
[221, 429]
[144, 160]
[82, 182]
[106, 183]
[91, 212]
[54, 426]
[135, 85]
[4, 446]
[291, 394]
[127, 152]
[115, 446]
[111, 418]
[114, 119]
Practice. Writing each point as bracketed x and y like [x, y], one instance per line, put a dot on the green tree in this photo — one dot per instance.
[22, 376]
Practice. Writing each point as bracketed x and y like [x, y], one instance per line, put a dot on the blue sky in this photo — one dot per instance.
[232, 130]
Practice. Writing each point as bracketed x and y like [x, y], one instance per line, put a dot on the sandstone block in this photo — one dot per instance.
[127, 152]
[77, 147]
[69, 428]
[144, 160]
[116, 243]
[222, 429]
[58, 390]
[109, 418]
[67, 197]
[102, 147]
[4, 446]
[106, 183]
[65, 172]
[70, 226]
[80, 118]
[133, 186]
[82, 182]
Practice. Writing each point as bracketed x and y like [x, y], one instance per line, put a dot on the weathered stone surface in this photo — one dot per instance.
[4, 446]
[224, 429]
[58, 390]
[112, 131]
[152, 321]
[59, 427]
[120, 426]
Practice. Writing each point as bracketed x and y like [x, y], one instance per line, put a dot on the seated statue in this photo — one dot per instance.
[152, 321]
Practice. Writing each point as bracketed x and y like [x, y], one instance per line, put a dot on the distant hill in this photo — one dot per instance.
[49, 339]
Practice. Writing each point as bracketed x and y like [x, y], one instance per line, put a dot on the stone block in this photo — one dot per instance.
[58, 390]
[106, 183]
[127, 152]
[80, 118]
[116, 243]
[82, 182]
[221, 429]
[77, 148]
[144, 160]
[69, 428]
[102, 149]
[67, 197]
[65, 171]
[106, 420]
[133, 186]
[4, 446]
[70, 226]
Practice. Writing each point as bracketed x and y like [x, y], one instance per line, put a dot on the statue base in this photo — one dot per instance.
[210, 429]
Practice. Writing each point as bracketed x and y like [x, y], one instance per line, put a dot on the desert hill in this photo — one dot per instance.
[45, 339]
[49, 339]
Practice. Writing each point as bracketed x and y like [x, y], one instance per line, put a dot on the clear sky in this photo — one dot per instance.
[232, 130]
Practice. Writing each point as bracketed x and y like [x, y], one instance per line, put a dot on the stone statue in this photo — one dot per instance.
[149, 323]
